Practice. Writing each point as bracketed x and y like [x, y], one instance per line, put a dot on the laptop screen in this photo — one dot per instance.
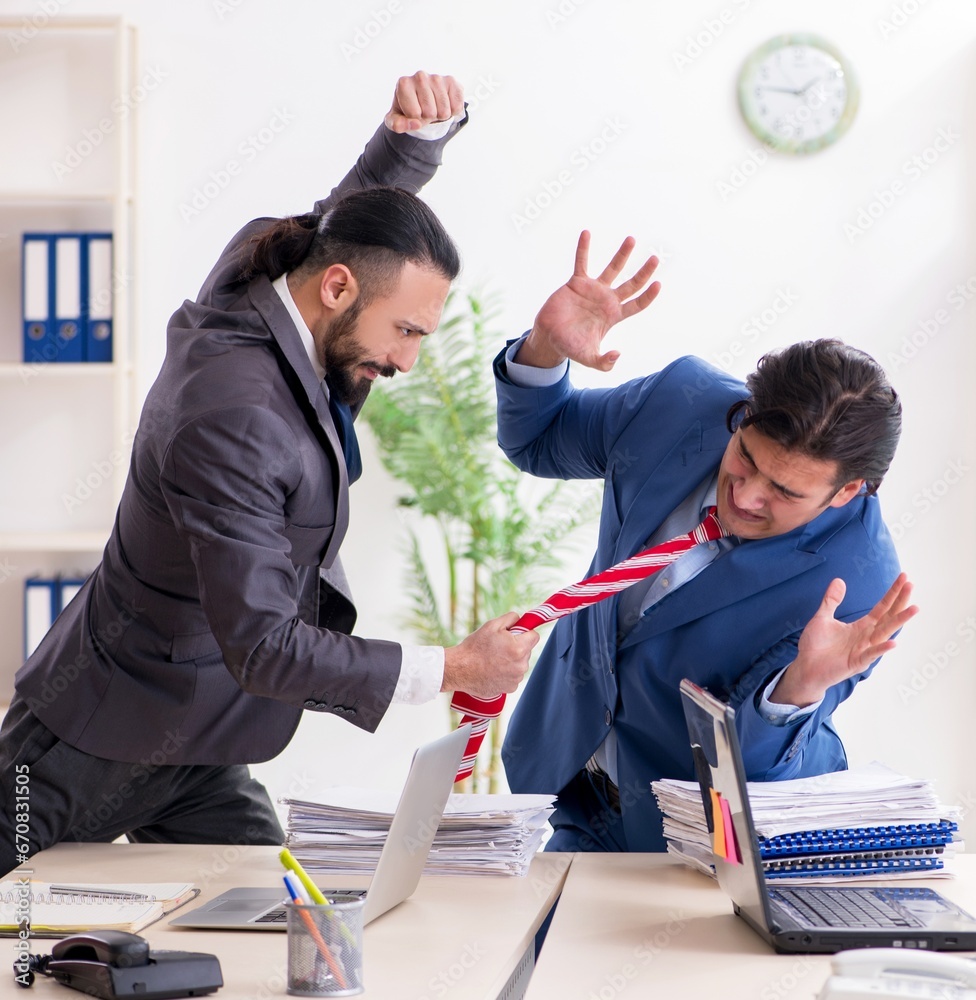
[720, 773]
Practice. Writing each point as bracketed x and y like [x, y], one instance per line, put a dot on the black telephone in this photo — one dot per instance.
[112, 964]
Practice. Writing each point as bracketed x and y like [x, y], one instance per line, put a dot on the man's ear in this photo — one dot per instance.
[338, 288]
[847, 493]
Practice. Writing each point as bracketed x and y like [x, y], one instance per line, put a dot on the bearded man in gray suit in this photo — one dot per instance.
[219, 611]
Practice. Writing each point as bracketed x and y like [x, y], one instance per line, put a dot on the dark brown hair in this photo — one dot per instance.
[830, 402]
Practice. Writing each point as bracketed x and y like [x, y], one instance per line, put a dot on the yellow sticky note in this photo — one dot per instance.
[718, 824]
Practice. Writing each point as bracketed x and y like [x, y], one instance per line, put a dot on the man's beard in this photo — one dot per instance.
[342, 354]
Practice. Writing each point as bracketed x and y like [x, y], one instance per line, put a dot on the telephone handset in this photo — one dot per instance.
[110, 947]
[883, 973]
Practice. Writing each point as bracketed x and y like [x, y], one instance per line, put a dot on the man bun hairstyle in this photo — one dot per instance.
[829, 401]
[373, 233]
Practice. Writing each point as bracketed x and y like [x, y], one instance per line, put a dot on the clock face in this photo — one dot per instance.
[797, 93]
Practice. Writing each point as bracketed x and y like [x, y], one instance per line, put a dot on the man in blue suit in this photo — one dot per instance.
[782, 618]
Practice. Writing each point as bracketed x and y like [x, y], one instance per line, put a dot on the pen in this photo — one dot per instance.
[288, 860]
[78, 890]
[313, 931]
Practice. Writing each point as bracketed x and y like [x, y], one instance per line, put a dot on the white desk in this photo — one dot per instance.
[640, 925]
[455, 937]
[627, 925]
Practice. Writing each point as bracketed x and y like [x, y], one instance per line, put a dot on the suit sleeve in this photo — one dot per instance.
[392, 159]
[225, 478]
[558, 432]
[389, 160]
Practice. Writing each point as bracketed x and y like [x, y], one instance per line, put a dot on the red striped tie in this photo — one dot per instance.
[580, 595]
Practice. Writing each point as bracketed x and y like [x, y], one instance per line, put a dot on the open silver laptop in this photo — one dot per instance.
[401, 863]
[804, 918]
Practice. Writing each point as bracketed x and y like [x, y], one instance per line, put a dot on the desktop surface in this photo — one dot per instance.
[645, 925]
[460, 937]
[626, 924]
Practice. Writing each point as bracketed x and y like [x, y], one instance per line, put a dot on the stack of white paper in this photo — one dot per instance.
[478, 834]
[865, 822]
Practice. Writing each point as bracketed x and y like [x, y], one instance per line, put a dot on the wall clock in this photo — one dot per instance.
[797, 93]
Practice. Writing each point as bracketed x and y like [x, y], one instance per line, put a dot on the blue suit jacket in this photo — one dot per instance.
[731, 628]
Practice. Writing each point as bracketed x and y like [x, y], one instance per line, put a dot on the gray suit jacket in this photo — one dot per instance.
[219, 610]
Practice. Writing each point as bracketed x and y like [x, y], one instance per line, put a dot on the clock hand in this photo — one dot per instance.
[796, 92]
[805, 88]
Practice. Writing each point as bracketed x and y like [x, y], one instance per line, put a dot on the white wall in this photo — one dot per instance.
[548, 80]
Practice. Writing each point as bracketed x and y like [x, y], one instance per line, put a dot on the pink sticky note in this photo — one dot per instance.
[732, 853]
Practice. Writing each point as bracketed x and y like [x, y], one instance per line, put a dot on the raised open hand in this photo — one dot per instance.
[574, 320]
[830, 651]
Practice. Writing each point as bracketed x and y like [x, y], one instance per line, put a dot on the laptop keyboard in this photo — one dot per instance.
[279, 915]
[844, 908]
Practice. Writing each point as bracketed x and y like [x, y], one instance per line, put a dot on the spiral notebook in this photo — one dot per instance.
[53, 910]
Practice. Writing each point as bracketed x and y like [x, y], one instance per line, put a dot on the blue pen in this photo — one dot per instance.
[299, 894]
[316, 935]
[295, 889]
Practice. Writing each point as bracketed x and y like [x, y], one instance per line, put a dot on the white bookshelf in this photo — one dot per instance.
[67, 100]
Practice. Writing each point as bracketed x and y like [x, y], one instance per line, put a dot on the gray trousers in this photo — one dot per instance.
[51, 792]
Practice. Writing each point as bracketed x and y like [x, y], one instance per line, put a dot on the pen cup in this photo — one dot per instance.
[325, 949]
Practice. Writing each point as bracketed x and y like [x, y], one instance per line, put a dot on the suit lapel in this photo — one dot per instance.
[695, 456]
[311, 396]
[747, 570]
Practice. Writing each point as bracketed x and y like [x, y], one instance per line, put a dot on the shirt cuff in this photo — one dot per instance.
[527, 376]
[437, 130]
[782, 715]
[421, 675]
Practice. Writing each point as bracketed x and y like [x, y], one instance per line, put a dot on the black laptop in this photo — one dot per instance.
[805, 918]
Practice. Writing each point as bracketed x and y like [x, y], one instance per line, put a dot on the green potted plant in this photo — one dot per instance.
[501, 535]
